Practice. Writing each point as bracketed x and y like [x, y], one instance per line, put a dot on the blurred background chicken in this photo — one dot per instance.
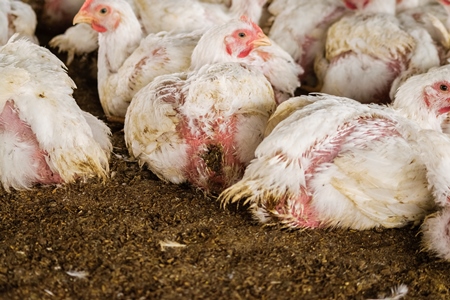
[368, 50]
[189, 15]
[359, 169]
[300, 26]
[46, 137]
[17, 17]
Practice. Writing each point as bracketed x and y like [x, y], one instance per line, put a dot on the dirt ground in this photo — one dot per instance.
[105, 240]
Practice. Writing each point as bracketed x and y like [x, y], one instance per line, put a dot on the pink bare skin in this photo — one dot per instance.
[10, 121]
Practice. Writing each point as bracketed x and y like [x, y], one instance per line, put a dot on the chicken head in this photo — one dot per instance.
[101, 16]
[236, 39]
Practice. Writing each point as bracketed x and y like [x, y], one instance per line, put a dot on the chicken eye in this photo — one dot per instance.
[104, 10]
[443, 87]
[241, 34]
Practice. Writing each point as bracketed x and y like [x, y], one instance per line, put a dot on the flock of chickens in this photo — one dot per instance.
[207, 98]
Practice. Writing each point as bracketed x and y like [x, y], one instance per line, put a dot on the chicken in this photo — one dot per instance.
[190, 15]
[126, 61]
[46, 137]
[124, 67]
[201, 127]
[279, 68]
[79, 39]
[172, 14]
[17, 17]
[369, 50]
[300, 27]
[4, 23]
[269, 58]
[435, 20]
[329, 161]
[434, 146]
[403, 5]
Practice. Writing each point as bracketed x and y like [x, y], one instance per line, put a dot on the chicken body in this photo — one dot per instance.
[47, 137]
[358, 169]
[190, 15]
[300, 27]
[435, 20]
[369, 50]
[435, 229]
[201, 127]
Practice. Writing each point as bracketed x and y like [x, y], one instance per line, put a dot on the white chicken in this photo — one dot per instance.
[17, 17]
[367, 51]
[269, 58]
[332, 161]
[403, 5]
[126, 61]
[124, 67]
[190, 15]
[172, 19]
[435, 20]
[300, 27]
[77, 40]
[201, 127]
[4, 28]
[46, 138]
[435, 229]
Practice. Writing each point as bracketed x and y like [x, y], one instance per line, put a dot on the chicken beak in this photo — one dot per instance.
[82, 17]
[262, 40]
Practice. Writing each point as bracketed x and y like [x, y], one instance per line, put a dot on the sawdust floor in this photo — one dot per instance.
[99, 240]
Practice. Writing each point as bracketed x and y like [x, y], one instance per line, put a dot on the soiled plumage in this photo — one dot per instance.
[201, 127]
[332, 161]
[300, 27]
[367, 51]
[46, 137]
[435, 19]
